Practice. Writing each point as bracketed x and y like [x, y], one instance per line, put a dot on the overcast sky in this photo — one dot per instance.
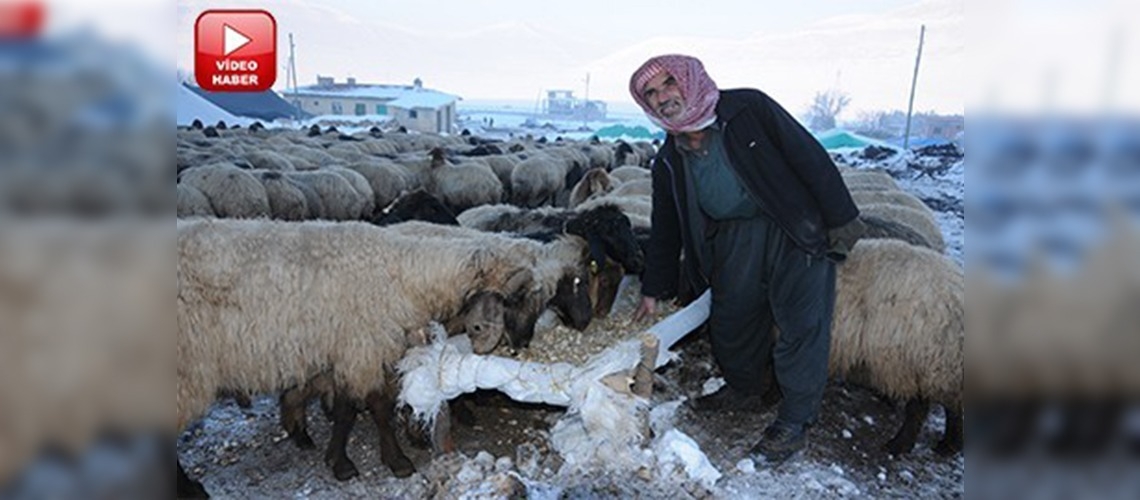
[516, 49]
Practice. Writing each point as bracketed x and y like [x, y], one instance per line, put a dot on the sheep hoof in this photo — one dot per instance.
[401, 467]
[946, 448]
[898, 447]
[344, 470]
[302, 440]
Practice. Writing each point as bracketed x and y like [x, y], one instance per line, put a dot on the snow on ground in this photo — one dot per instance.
[935, 174]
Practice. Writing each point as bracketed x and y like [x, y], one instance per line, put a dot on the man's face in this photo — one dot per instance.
[664, 95]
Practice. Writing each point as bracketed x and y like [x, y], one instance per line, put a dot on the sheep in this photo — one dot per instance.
[605, 228]
[463, 186]
[900, 198]
[362, 187]
[191, 202]
[920, 222]
[560, 265]
[387, 180]
[263, 305]
[869, 180]
[899, 322]
[502, 166]
[598, 157]
[269, 160]
[625, 154]
[640, 187]
[232, 192]
[286, 200]
[481, 317]
[308, 157]
[536, 181]
[316, 207]
[602, 225]
[647, 150]
[639, 209]
[416, 205]
[630, 173]
[878, 227]
[339, 199]
[595, 183]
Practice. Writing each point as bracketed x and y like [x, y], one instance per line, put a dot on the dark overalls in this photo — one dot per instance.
[758, 277]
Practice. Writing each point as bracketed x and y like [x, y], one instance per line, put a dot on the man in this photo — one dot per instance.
[762, 214]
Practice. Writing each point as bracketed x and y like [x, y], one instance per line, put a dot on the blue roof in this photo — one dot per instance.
[266, 105]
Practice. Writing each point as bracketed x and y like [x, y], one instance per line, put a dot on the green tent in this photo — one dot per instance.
[635, 132]
[838, 138]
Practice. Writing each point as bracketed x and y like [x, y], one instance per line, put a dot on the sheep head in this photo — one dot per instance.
[609, 234]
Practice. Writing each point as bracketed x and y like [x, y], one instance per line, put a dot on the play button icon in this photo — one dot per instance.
[235, 50]
[232, 40]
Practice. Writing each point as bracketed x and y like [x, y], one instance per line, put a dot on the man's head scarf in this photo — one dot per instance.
[698, 90]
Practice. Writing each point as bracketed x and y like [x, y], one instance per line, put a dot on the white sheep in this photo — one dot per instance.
[901, 198]
[339, 199]
[921, 222]
[639, 187]
[286, 200]
[595, 183]
[233, 193]
[537, 180]
[630, 173]
[362, 187]
[191, 202]
[899, 326]
[265, 305]
[869, 180]
[387, 179]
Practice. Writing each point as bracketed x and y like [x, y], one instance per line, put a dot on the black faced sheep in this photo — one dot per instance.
[416, 205]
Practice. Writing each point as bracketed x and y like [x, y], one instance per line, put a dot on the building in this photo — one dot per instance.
[562, 103]
[412, 106]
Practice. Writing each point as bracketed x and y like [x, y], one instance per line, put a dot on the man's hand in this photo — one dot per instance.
[647, 308]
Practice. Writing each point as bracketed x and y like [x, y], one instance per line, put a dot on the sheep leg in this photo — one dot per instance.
[344, 417]
[189, 488]
[294, 404]
[951, 442]
[383, 409]
[915, 416]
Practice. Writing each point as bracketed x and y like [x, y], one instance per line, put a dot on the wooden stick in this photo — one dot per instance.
[643, 374]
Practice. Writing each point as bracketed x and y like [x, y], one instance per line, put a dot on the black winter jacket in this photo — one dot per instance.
[783, 167]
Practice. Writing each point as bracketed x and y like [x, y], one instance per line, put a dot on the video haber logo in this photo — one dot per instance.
[235, 50]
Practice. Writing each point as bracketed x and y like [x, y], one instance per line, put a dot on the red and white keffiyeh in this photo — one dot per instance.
[697, 89]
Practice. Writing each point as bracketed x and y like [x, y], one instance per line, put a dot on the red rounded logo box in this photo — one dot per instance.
[235, 50]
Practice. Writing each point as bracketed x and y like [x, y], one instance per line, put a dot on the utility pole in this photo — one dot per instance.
[291, 78]
[586, 106]
[913, 83]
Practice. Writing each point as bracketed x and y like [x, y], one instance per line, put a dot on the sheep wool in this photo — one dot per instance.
[191, 202]
[286, 201]
[339, 199]
[920, 222]
[263, 305]
[233, 193]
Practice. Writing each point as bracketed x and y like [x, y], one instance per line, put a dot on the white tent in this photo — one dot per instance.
[191, 106]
